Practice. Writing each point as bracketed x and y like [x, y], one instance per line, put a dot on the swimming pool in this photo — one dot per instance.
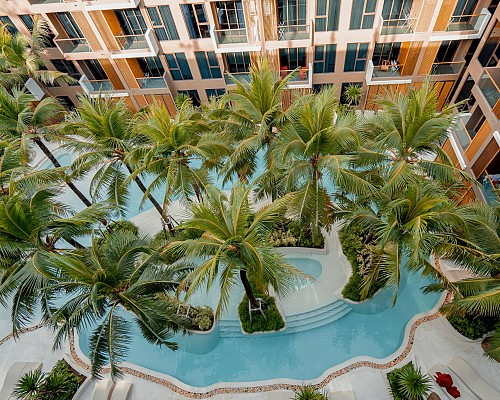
[308, 266]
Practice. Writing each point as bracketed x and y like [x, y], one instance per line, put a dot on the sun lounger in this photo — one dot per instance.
[465, 393]
[472, 380]
[15, 372]
[101, 390]
[121, 391]
[343, 395]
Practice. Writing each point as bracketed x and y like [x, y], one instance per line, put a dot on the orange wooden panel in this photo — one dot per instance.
[478, 140]
[87, 30]
[429, 57]
[411, 58]
[111, 73]
[448, 148]
[141, 101]
[445, 14]
[443, 93]
[107, 27]
[488, 154]
[423, 10]
[124, 67]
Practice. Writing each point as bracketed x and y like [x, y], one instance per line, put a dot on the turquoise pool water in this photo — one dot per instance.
[309, 267]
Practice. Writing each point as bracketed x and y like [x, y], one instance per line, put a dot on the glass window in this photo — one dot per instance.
[27, 21]
[490, 53]
[178, 66]
[355, 57]
[196, 20]
[292, 12]
[327, 15]
[447, 50]
[70, 25]
[214, 92]
[396, 9]
[237, 62]
[151, 66]
[362, 14]
[324, 58]
[163, 23]
[131, 21]
[67, 67]
[293, 58]
[208, 65]
[8, 24]
[386, 52]
[193, 94]
[230, 14]
[465, 7]
[93, 69]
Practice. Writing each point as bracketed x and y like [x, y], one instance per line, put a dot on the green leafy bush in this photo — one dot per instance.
[355, 252]
[197, 319]
[473, 327]
[290, 234]
[274, 320]
[59, 384]
[408, 383]
[309, 392]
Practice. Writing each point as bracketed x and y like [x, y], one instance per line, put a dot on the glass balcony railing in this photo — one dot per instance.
[36, 2]
[300, 78]
[96, 85]
[242, 77]
[490, 89]
[464, 135]
[294, 32]
[463, 22]
[491, 187]
[231, 36]
[398, 26]
[447, 68]
[387, 71]
[95, 5]
[152, 82]
[73, 45]
[132, 42]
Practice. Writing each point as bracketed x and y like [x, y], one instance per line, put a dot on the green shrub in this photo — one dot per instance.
[354, 249]
[473, 327]
[309, 392]
[198, 319]
[408, 383]
[274, 320]
[290, 233]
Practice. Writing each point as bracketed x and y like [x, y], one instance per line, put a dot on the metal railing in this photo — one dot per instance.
[152, 82]
[73, 45]
[489, 88]
[491, 187]
[302, 75]
[464, 22]
[243, 77]
[294, 32]
[132, 42]
[36, 2]
[231, 36]
[443, 68]
[387, 71]
[398, 26]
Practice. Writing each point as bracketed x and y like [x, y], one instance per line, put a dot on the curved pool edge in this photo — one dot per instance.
[324, 379]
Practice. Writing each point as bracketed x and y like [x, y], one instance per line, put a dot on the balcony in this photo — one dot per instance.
[97, 87]
[447, 68]
[491, 187]
[463, 27]
[389, 74]
[294, 32]
[400, 26]
[43, 6]
[463, 134]
[300, 79]
[136, 46]
[99, 5]
[242, 77]
[34, 88]
[232, 40]
[152, 82]
[489, 85]
[74, 48]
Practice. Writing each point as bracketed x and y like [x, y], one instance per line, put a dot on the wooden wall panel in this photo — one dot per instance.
[409, 57]
[478, 140]
[87, 30]
[429, 57]
[124, 67]
[61, 33]
[423, 10]
[443, 93]
[111, 73]
[141, 101]
[448, 148]
[485, 158]
[108, 27]
[270, 21]
[445, 14]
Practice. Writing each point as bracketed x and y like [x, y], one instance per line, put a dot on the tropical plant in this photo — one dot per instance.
[20, 56]
[181, 152]
[316, 149]
[24, 123]
[408, 383]
[309, 392]
[234, 242]
[352, 94]
[101, 131]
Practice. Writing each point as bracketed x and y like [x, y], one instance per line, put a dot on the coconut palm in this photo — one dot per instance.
[234, 242]
[24, 123]
[100, 130]
[20, 56]
[33, 224]
[407, 133]
[309, 392]
[316, 150]
[119, 278]
[181, 152]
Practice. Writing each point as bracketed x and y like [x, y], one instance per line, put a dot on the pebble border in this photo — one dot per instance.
[272, 387]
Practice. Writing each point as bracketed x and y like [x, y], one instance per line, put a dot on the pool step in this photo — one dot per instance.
[230, 328]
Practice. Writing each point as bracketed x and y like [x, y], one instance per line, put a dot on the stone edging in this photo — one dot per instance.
[272, 387]
[25, 330]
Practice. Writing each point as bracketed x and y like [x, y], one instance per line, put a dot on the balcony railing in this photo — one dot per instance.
[491, 187]
[388, 74]
[97, 5]
[387, 71]
[463, 22]
[73, 45]
[231, 36]
[152, 82]
[301, 78]
[242, 77]
[133, 46]
[294, 32]
[490, 89]
[447, 68]
[398, 26]
[235, 40]
[464, 135]
[464, 27]
[97, 87]
[36, 2]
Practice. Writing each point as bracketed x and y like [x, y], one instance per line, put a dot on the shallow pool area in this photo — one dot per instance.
[308, 266]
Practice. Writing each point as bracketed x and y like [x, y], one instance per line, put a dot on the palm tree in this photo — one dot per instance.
[20, 56]
[407, 132]
[101, 131]
[181, 152]
[119, 275]
[234, 242]
[316, 149]
[34, 224]
[23, 123]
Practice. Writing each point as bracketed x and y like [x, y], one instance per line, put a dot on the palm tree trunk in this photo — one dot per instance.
[248, 289]
[197, 191]
[153, 201]
[56, 164]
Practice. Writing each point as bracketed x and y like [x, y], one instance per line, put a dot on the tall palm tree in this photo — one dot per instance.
[101, 131]
[181, 152]
[407, 133]
[20, 56]
[316, 149]
[234, 242]
[119, 275]
[24, 123]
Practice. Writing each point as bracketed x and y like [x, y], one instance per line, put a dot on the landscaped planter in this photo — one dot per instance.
[199, 342]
